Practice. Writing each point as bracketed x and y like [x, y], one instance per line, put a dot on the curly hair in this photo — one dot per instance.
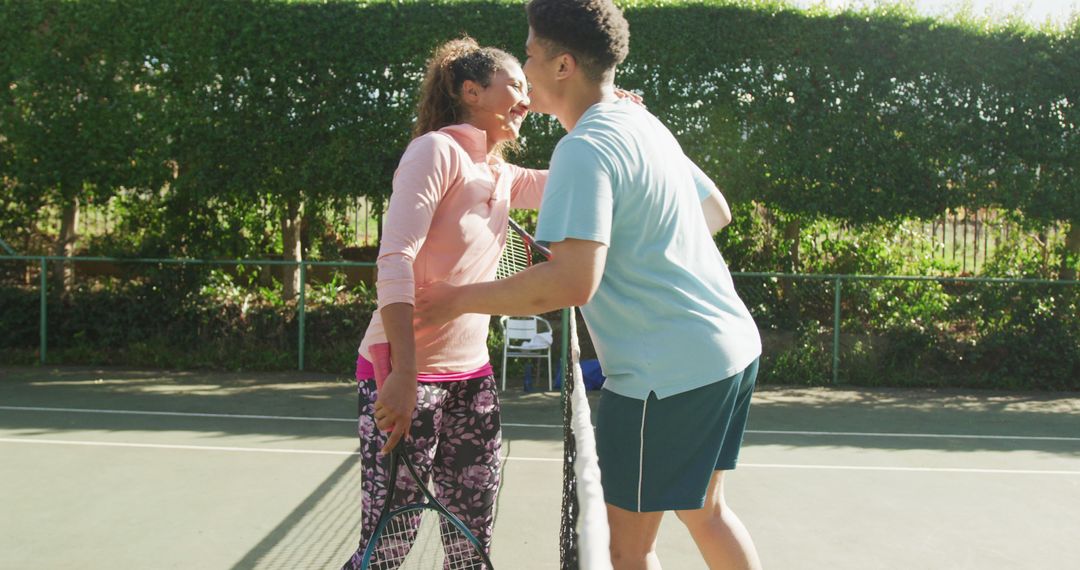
[450, 66]
[593, 31]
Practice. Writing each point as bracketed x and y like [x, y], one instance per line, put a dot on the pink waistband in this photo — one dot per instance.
[365, 371]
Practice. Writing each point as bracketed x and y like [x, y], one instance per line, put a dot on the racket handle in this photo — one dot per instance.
[380, 360]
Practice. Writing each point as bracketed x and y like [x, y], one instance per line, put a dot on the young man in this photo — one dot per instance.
[630, 221]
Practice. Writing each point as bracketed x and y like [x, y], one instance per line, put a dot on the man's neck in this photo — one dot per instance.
[579, 101]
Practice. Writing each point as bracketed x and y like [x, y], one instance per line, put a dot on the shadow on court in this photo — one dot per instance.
[976, 420]
[328, 397]
[121, 400]
[312, 536]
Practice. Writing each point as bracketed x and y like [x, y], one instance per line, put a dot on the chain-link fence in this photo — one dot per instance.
[816, 329]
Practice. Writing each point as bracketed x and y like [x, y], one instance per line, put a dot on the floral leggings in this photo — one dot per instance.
[456, 437]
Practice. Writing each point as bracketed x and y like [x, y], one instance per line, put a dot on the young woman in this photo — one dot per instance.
[447, 221]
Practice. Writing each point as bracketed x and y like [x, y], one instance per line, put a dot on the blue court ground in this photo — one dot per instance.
[116, 469]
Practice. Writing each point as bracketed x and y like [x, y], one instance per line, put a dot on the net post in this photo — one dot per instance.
[565, 348]
[44, 305]
[301, 310]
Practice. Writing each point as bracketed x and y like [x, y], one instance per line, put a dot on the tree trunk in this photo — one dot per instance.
[291, 220]
[64, 273]
[767, 219]
[792, 232]
[787, 286]
[1072, 251]
[30, 271]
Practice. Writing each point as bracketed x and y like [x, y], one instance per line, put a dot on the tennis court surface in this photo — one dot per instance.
[117, 469]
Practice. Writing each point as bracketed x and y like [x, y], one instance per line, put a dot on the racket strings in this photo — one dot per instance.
[516, 256]
[424, 540]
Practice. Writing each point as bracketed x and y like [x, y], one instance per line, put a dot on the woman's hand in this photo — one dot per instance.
[624, 94]
[394, 407]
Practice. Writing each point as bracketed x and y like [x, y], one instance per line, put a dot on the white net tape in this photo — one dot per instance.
[592, 525]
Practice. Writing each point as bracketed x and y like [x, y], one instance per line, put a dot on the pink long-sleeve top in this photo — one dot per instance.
[447, 221]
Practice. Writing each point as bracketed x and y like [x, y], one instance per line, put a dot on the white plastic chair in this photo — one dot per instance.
[522, 338]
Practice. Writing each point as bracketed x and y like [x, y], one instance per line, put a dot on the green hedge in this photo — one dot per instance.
[239, 109]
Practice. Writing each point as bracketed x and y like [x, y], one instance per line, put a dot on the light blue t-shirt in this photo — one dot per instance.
[665, 318]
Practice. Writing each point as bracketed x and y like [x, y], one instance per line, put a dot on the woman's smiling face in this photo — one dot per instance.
[501, 107]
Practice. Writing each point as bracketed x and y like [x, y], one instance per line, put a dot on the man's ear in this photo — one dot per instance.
[566, 66]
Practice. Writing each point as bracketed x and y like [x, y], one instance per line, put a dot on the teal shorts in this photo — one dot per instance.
[659, 455]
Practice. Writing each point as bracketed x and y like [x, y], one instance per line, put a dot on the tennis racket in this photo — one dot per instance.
[422, 535]
[519, 252]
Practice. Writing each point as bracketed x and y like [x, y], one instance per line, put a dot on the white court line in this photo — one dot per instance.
[171, 446]
[545, 426]
[910, 469]
[179, 414]
[924, 435]
[209, 415]
[34, 440]
[533, 459]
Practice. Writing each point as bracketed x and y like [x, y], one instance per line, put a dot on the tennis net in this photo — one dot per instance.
[583, 533]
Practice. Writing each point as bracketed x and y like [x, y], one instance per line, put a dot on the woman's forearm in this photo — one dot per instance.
[397, 321]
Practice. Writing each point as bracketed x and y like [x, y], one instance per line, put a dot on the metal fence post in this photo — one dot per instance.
[836, 334]
[44, 304]
[303, 285]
